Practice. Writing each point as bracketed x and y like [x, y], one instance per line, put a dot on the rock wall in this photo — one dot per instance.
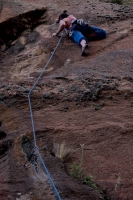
[80, 101]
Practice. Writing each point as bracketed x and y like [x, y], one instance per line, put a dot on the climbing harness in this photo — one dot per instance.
[32, 121]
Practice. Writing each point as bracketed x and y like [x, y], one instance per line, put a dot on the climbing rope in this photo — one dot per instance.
[32, 120]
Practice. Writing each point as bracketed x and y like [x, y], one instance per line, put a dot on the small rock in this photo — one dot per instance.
[125, 95]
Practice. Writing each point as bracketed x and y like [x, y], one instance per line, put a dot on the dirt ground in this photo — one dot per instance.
[84, 102]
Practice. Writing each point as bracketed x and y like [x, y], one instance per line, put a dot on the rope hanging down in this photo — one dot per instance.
[32, 121]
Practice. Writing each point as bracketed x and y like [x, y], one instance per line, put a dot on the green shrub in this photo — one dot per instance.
[78, 172]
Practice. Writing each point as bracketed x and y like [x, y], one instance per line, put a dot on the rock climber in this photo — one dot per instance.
[65, 23]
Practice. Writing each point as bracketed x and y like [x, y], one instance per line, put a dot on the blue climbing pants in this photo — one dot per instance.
[77, 36]
[100, 33]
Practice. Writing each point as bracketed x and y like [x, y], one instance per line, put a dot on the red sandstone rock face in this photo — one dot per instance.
[79, 100]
